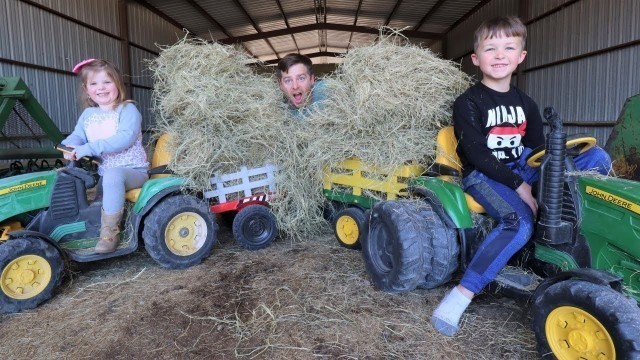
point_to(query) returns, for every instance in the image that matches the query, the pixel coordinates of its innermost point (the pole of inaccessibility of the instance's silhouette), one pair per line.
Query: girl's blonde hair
(111, 70)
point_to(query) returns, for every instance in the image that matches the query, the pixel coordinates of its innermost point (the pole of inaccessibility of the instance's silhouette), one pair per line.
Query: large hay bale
(385, 106)
(215, 107)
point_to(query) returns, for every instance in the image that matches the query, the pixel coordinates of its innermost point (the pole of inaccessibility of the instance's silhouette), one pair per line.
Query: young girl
(109, 127)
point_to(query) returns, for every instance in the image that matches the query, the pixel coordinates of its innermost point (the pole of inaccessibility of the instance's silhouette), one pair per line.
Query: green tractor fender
(447, 199)
(152, 192)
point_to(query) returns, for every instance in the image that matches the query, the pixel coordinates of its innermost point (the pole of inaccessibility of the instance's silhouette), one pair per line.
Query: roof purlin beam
(393, 12)
(255, 26)
(326, 26)
(310, 55)
(286, 22)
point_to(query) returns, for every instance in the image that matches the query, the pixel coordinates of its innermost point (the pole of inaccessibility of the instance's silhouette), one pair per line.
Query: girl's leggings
(514, 218)
(115, 182)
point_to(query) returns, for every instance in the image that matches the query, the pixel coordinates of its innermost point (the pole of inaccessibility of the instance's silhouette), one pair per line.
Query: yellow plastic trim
(161, 154)
(185, 234)
(446, 154)
(350, 173)
(25, 277)
(536, 159)
(573, 333)
(446, 144)
(8, 227)
(347, 230)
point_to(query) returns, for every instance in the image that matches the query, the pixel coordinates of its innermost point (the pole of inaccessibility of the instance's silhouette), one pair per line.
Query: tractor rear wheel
(179, 232)
(348, 227)
(30, 269)
(576, 319)
(392, 247)
(255, 227)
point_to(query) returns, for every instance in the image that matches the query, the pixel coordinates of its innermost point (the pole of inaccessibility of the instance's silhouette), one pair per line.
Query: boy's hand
(524, 191)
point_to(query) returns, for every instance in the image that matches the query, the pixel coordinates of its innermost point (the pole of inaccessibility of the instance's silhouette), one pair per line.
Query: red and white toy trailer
(244, 197)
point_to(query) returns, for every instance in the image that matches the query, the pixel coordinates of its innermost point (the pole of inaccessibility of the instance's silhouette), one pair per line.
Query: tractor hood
(22, 193)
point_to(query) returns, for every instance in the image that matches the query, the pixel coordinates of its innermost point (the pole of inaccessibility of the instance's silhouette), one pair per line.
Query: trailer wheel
(576, 319)
(30, 269)
(348, 227)
(179, 232)
(255, 227)
(392, 248)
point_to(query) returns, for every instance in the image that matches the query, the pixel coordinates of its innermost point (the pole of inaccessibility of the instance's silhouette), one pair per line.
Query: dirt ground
(305, 300)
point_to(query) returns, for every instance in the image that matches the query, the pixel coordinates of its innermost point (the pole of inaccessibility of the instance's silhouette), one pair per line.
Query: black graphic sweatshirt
(493, 128)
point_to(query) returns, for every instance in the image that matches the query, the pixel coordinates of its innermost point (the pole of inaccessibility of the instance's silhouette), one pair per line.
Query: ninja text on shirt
(507, 126)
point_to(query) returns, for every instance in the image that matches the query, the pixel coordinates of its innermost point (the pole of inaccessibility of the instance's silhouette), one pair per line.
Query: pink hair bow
(78, 67)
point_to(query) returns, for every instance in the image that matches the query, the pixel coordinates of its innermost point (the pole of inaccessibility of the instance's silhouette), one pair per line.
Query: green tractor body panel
(451, 196)
(611, 225)
(348, 198)
(23, 193)
(154, 186)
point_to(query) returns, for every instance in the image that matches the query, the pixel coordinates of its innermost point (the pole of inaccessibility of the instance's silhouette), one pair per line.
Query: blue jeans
(515, 221)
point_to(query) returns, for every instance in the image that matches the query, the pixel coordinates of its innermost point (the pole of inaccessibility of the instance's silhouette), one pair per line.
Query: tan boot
(109, 232)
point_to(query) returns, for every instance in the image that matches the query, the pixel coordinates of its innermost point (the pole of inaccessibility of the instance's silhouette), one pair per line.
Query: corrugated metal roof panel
(265, 13)
(373, 12)
(410, 12)
(229, 15)
(148, 29)
(102, 14)
(298, 12)
(189, 17)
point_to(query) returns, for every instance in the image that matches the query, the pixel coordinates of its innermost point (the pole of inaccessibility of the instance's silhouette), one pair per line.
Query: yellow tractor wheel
(348, 227)
(30, 269)
(576, 319)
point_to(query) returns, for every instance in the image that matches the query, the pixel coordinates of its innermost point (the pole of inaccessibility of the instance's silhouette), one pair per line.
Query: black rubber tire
(255, 227)
(392, 246)
(357, 216)
(618, 314)
(441, 250)
(163, 213)
(13, 249)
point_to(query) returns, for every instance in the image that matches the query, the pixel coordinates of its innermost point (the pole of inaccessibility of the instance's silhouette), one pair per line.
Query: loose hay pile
(215, 106)
(385, 104)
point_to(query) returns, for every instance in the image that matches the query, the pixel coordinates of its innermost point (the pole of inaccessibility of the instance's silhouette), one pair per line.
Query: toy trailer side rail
(350, 180)
(243, 183)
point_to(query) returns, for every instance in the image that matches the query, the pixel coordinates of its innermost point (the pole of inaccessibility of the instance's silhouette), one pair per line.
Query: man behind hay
(497, 125)
(298, 84)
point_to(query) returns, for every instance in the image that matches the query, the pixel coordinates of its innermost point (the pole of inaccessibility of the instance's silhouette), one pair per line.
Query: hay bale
(215, 106)
(385, 106)
(386, 103)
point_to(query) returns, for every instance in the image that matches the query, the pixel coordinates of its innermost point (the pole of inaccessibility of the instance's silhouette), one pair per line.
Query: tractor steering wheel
(576, 145)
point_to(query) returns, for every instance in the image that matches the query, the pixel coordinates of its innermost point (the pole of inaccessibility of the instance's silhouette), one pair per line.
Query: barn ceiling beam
(286, 23)
(255, 26)
(311, 55)
(429, 14)
(325, 26)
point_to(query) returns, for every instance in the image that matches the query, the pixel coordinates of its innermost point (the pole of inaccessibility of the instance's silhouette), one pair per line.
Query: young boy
(298, 84)
(497, 125)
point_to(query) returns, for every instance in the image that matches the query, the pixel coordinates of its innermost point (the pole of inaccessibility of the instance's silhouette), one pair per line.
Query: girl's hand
(71, 155)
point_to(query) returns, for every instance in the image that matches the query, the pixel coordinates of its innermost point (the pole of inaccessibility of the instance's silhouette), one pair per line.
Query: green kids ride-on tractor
(581, 269)
(46, 218)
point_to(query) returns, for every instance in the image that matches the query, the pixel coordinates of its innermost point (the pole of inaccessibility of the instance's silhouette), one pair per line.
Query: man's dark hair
(293, 59)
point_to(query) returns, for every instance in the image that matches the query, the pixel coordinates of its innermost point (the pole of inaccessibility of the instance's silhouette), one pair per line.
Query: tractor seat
(159, 163)
(447, 165)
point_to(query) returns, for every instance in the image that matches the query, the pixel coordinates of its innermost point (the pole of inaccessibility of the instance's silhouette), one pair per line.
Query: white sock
(448, 313)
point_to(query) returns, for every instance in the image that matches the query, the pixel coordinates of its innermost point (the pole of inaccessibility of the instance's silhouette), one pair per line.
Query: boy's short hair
(293, 59)
(510, 26)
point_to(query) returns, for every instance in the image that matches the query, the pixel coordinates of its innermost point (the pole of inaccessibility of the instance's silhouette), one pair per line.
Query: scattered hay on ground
(290, 301)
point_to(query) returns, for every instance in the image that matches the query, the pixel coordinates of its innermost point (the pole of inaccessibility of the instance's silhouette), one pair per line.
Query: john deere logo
(615, 200)
(21, 187)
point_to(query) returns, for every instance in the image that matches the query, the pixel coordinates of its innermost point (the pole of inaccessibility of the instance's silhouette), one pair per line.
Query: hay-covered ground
(305, 300)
